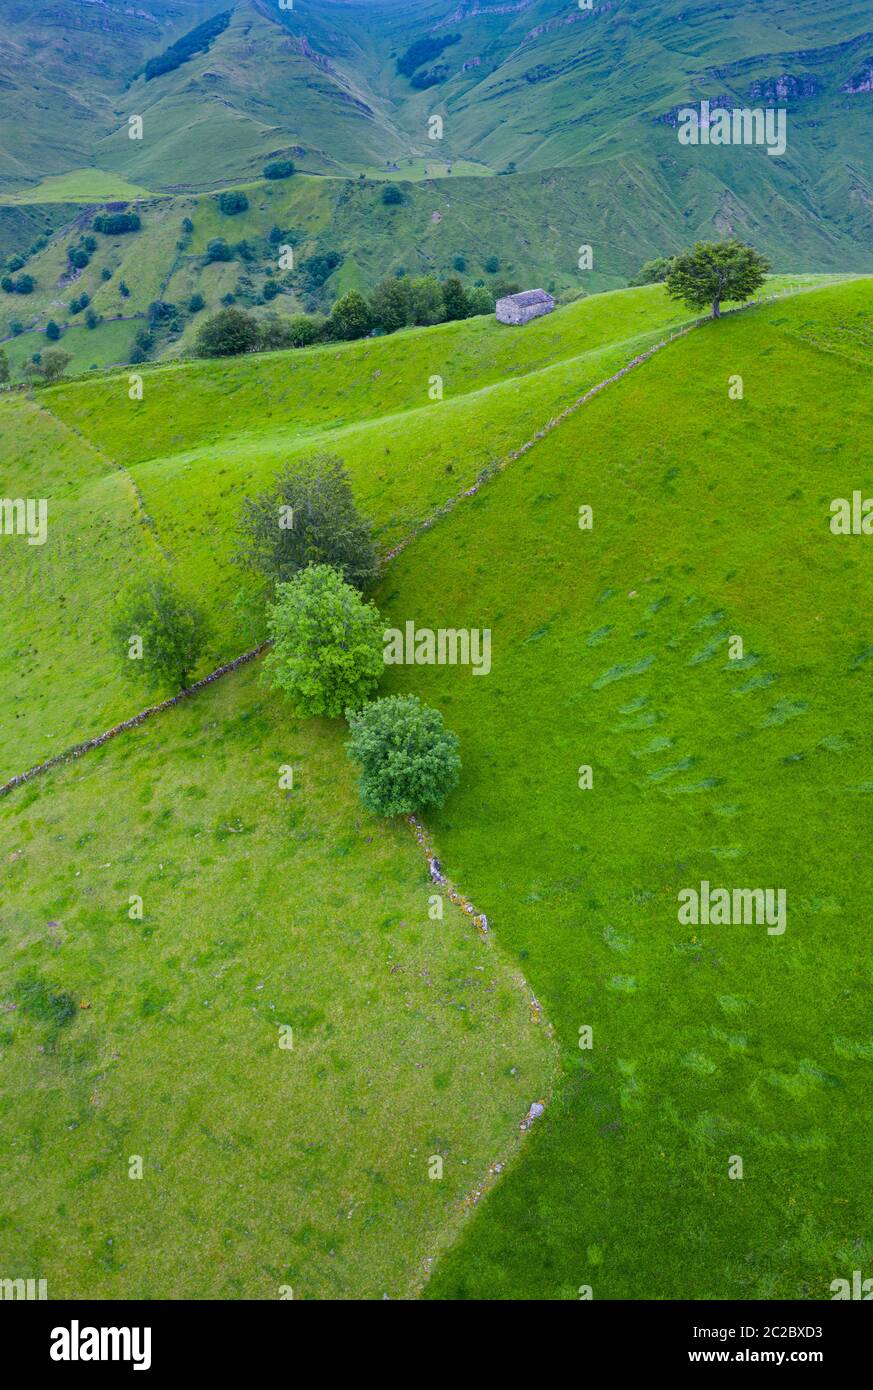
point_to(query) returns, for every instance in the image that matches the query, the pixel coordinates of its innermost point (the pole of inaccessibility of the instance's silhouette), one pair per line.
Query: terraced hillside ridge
(711, 519)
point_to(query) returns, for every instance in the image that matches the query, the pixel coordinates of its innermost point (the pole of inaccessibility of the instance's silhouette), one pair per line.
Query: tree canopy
(714, 271)
(227, 333)
(308, 517)
(327, 653)
(159, 633)
(408, 758)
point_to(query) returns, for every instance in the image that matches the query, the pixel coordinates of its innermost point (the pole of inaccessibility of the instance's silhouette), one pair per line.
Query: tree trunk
(716, 308)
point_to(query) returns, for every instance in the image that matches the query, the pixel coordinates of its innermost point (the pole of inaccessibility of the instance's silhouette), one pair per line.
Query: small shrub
(279, 169)
(218, 250)
(232, 202)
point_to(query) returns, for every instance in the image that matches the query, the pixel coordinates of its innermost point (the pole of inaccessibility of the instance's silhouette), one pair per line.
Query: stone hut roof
(528, 297)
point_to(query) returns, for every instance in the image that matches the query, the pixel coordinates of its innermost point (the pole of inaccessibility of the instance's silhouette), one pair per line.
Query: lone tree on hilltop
(159, 633)
(407, 756)
(309, 517)
(328, 643)
(713, 271)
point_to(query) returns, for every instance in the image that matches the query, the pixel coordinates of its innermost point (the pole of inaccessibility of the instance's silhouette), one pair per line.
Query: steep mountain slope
(576, 108)
(64, 65)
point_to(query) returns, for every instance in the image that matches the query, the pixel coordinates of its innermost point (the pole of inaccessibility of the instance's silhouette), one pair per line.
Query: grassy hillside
(206, 434)
(610, 648)
(158, 1037)
(55, 676)
(534, 225)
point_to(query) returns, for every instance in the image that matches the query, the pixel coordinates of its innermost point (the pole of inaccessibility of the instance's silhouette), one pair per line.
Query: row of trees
(308, 555)
(402, 301)
(395, 303)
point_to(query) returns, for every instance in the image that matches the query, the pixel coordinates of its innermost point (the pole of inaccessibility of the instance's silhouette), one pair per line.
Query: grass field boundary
(146, 519)
(79, 749)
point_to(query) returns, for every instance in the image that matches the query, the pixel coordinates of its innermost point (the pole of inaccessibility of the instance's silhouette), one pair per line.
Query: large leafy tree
(227, 333)
(328, 643)
(426, 303)
(158, 633)
(4, 367)
(308, 517)
(350, 317)
(389, 305)
(715, 271)
(408, 758)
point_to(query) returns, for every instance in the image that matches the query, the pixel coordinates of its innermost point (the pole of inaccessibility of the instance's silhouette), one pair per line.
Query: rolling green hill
(127, 479)
(610, 649)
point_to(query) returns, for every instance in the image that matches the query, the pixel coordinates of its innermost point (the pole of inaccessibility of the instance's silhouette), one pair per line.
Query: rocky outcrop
(671, 117)
(784, 88)
(469, 9)
(862, 80)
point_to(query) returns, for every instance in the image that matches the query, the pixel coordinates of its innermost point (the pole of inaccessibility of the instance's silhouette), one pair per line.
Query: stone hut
(521, 308)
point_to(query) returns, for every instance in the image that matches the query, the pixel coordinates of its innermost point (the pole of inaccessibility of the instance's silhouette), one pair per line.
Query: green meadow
(157, 1036)
(77, 186)
(163, 1036)
(610, 650)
